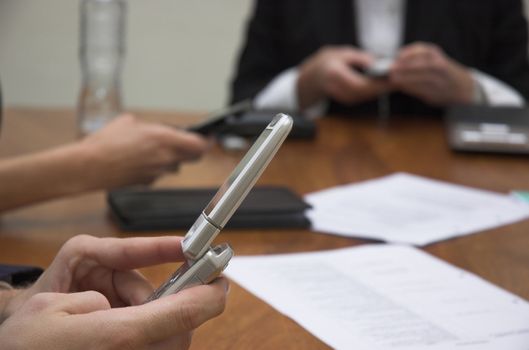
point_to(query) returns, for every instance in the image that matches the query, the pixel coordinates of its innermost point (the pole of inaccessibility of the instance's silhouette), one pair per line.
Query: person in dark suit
(309, 55)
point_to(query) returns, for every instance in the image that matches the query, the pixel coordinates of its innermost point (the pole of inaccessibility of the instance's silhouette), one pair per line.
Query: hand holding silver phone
(380, 68)
(202, 271)
(203, 264)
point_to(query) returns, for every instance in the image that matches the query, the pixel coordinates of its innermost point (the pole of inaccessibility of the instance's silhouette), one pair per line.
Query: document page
(404, 208)
(379, 297)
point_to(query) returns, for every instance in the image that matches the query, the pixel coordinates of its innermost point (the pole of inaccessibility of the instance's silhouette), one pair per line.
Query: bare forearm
(37, 177)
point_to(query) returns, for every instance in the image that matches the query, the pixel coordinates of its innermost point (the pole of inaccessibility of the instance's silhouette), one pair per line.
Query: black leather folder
(166, 209)
(252, 123)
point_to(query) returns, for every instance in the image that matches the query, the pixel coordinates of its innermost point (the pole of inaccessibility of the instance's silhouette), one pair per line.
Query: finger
(73, 303)
(416, 63)
(412, 84)
(357, 58)
(417, 49)
(412, 64)
(185, 145)
(410, 77)
(352, 80)
(162, 319)
(354, 87)
(85, 302)
(131, 287)
(124, 253)
(344, 84)
(348, 78)
(422, 83)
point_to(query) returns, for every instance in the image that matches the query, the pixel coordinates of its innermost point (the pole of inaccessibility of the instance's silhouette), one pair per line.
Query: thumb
(358, 58)
(74, 303)
(174, 314)
(81, 303)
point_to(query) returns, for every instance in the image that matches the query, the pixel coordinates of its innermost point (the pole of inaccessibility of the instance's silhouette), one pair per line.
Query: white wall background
(180, 52)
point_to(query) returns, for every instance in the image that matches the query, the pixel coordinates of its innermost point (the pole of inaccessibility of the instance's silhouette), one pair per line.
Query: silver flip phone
(203, 263)
(380, 68)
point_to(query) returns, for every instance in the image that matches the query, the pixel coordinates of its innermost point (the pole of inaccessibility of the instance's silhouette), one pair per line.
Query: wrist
(96, 165)
(84, 167)
(76, 162)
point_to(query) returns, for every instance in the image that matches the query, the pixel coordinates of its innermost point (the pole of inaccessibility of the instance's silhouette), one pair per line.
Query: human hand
(105, 308)
(85, 320)
(330, 73)
(128, 151)
(424, 71)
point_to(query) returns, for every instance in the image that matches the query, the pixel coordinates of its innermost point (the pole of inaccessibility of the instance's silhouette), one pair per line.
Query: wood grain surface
(345, 150)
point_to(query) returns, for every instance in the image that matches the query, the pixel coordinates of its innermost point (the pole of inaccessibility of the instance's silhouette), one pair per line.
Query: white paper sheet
(404, 208)
(380, 297)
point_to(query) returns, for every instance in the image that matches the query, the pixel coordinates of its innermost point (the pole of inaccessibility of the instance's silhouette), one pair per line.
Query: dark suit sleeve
(260, 59)
(509, 53)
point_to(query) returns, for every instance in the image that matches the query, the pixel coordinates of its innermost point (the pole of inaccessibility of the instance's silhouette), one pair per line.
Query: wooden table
(344, 151)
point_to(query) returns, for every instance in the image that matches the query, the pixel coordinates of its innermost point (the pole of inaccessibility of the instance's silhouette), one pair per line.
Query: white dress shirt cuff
(281, 94)
(495, 92)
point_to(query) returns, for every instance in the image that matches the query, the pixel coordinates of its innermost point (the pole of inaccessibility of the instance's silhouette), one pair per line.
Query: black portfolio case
(252, 123)
(165, 209)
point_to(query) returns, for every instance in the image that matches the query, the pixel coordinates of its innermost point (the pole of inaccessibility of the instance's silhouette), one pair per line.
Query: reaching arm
(125, 152)
(45, 175)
